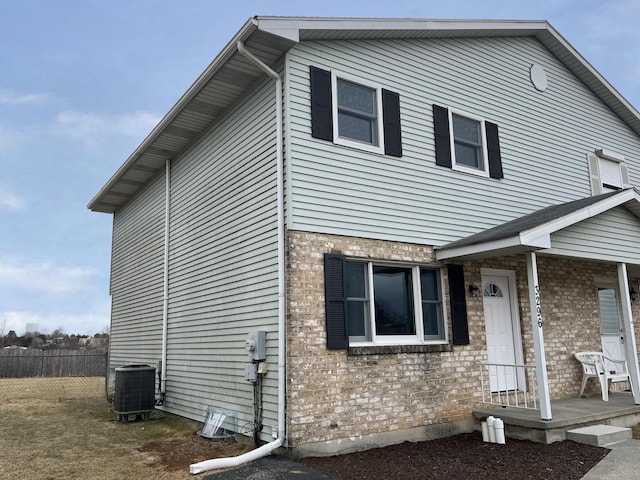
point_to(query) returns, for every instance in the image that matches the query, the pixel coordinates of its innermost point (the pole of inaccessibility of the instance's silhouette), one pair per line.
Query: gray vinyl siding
(137, 265)
(223, 264)
(611, 236)
(544, 138)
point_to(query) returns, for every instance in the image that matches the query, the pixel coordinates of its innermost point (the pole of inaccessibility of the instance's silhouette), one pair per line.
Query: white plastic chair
(593, 366)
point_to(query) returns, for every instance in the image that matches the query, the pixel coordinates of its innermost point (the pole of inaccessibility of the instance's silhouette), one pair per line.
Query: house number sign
(538, 308)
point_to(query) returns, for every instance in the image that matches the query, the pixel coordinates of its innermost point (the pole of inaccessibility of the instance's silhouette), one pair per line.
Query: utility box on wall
(256, 345)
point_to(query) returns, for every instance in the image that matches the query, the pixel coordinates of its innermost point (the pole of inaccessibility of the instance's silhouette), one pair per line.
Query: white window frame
(348, 142)
(419, 337)
(612, 158)
(484, 172)
(609, 284)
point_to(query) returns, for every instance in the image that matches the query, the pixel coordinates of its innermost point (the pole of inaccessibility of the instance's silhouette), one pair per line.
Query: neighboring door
(501, 340)
(610, 326)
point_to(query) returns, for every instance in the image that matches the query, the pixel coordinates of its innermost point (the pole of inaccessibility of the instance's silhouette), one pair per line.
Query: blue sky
(83, 81)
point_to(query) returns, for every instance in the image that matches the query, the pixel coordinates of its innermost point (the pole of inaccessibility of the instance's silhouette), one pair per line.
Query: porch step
(599, 435)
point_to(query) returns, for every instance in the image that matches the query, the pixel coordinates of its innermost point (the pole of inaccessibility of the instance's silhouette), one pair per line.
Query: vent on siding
(135, 391)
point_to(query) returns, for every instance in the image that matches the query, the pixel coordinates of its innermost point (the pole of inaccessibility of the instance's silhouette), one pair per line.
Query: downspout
(165, 304)
(268, 448)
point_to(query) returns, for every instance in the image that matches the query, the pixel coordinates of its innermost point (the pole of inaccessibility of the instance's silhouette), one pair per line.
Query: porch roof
(533, 231)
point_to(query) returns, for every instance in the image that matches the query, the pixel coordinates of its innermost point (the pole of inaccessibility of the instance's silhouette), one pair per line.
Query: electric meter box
(256, 345)
(250, 372)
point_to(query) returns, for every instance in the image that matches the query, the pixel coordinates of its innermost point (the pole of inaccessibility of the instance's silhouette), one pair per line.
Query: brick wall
(334, 396)
(569, 313)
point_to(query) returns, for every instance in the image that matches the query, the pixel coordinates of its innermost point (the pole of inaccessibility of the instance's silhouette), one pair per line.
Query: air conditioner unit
(134, 392)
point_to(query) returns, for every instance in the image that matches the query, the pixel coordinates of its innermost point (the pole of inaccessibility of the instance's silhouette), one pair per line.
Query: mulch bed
(465, 456)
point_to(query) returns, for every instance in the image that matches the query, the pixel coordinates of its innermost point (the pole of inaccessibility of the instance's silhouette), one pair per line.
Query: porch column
(538, 338)
(629, 332)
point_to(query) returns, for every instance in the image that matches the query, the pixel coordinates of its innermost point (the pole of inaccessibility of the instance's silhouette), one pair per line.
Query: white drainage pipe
(493, 430)
(231, 462)
(485, 431)
(267, 449)
(491, 421)
(498, 426)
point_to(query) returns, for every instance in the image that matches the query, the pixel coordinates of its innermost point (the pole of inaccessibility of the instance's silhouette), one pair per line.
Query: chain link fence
(52, 374)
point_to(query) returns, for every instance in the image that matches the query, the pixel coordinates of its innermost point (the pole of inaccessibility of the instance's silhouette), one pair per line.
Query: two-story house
(399, 205)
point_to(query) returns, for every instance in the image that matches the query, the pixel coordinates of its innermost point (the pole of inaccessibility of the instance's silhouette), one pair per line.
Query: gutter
(268, 448)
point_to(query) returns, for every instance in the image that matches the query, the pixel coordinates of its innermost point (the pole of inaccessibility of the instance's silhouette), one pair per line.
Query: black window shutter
(458, 305)
(493, 150)
(442, 139)
(321, 119)
(391, 123)
(335, 301)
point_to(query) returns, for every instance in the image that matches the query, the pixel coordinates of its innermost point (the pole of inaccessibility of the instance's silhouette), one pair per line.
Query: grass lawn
(53, 434)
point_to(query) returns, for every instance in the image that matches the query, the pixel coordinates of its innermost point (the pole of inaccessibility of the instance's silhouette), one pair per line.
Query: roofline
(579, 215)
(245, 32)
(292, 26)
(539, 237)
(303, 28)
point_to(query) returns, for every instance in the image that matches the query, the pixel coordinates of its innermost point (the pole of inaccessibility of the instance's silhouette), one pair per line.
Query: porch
(568, 413)
(587, 230)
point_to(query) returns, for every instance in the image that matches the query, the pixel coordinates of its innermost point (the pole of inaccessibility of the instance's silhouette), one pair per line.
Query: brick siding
(334, 395)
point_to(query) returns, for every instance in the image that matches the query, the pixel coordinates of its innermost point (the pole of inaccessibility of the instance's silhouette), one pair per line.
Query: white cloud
(44, 277)
(88, 125)
(90, 323)
(9, 137)
(11, 97)
(9, 201)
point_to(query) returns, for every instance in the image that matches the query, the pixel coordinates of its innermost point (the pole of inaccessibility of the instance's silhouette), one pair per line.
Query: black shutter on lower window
(335, 302)
(458, 305)
(321, 112)
(493, 150)
(442, 139)
(391, 123)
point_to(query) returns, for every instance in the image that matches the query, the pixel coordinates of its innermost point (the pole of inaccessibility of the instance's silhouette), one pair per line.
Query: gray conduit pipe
(268, 448)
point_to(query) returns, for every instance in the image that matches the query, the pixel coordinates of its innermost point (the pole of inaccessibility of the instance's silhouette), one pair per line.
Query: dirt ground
(57, 437)
(462, 456)
(467, 457)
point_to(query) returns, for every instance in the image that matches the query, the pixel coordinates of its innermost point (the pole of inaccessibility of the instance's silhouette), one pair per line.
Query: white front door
(610, 328)
(499, 320)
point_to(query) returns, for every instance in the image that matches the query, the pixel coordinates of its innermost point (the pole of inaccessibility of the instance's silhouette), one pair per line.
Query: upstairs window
(355, 113)
(466, 143)
(608, 172)
(357, 109)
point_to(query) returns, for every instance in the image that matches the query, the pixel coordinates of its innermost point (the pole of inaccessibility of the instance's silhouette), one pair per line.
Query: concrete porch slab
(568, 414)
(599, 435)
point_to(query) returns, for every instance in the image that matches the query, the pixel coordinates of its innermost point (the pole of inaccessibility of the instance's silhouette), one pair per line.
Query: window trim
(594, 163)
(483, 138)
(419, 337)
(347, 142)
(605, 283)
